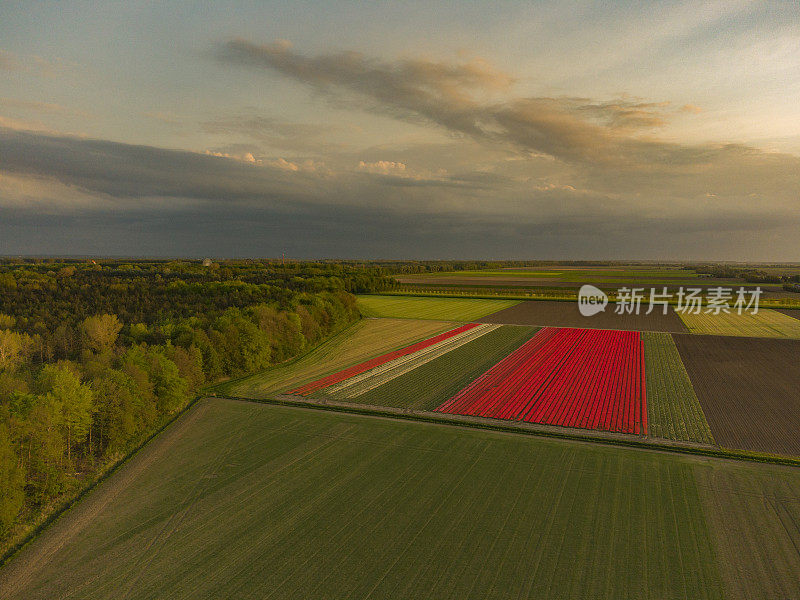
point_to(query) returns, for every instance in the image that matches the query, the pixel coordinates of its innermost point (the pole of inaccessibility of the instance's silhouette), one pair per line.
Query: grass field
(766, 323)
(673, 409)
(246, 500)
(577, 275)
(754, 517)
(427, 386)
(444, 309)
(359, 342)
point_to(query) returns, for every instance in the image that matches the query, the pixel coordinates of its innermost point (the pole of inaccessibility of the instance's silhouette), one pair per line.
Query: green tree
(41, 445)
(100, 332)
(12, 481)
(74, 399)
(122, 410)
(11, 346)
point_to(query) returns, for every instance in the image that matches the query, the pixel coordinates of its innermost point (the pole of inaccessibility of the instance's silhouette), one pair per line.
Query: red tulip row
(571, 377)
(308, 388)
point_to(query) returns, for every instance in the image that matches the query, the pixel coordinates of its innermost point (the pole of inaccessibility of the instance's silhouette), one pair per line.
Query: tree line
(94, 357)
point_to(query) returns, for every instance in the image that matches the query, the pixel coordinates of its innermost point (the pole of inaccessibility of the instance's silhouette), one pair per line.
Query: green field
(363, 340)
(579, 275)
(673, 410)
(766, 323)
(427, 386)
(248, 500)
(754, 517)
(443, 309)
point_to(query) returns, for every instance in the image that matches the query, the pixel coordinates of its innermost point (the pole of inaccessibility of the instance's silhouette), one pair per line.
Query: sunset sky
(584, 130)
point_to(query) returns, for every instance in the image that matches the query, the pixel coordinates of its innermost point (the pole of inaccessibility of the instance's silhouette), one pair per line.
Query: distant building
(207, 262)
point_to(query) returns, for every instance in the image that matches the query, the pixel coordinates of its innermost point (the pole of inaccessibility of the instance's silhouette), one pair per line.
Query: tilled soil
(749, 389)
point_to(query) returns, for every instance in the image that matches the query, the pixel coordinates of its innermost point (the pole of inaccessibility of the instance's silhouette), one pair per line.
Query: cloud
(461, 98)
(163, 117)
(24, 125)
(518, 177)
(302, 137)
(44, 107)
(437, 91)
(129, 177)
(127, 172)
(385, 167)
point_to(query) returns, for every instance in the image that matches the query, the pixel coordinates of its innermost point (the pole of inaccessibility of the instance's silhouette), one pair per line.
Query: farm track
(749, 390)
(673, 409)
(565, 314)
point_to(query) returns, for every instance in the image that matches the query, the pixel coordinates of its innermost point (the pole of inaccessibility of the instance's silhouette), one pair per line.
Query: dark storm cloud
(212, 229)
(125, 171)
(105, 197)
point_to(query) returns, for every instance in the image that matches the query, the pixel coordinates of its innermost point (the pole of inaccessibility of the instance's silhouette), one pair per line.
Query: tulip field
(584, 378)
(379, 361)
(654, 384)
(571, 377)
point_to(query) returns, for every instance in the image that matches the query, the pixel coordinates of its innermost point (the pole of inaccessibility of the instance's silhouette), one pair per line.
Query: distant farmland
(566, 314)
(765, 323)
(243, 500)
(443, 309)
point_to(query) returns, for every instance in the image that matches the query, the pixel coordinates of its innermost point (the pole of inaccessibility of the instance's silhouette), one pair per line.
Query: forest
(97, 355)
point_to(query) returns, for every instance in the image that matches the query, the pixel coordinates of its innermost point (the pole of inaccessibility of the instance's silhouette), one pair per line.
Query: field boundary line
(522, 428)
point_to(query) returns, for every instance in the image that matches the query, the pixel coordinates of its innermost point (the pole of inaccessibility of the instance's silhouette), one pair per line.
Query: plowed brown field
(749, 389)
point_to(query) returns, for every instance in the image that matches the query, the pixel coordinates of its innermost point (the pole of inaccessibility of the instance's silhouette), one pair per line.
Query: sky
(413, 130)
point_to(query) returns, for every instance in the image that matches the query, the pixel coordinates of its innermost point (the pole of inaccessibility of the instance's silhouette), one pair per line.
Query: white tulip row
(361, 384)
